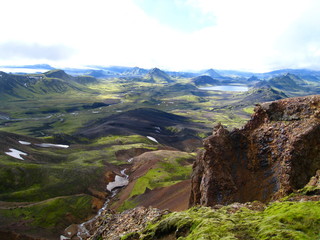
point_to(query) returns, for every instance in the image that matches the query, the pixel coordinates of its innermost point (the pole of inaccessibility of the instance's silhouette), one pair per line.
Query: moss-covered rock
(280, 220)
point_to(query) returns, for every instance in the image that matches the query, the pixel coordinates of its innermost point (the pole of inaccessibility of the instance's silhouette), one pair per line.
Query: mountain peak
(58, 73)
(212, 73)
(136, 71)
(156, 71)
(158, 76)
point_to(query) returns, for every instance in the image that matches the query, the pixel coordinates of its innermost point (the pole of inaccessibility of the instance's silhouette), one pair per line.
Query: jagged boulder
(275, 153)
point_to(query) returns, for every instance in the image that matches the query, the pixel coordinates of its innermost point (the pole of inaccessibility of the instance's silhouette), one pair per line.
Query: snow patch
(16, 153)
(46, 145)
(118, 182)
(63, 237)
(152, 139)
(24, 143)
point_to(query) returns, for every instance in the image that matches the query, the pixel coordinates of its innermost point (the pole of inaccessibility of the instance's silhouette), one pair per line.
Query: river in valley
(113, 187)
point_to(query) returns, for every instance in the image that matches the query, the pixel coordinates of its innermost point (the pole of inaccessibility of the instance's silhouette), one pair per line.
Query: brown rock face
(276, 152)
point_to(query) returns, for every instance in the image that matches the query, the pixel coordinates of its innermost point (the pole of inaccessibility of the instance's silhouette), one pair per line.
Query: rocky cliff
(275, 153)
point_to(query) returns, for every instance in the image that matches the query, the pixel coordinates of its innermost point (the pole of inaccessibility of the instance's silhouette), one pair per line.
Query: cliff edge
(275, 153)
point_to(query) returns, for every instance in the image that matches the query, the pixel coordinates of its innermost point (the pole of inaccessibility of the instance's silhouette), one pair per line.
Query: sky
(248, 35)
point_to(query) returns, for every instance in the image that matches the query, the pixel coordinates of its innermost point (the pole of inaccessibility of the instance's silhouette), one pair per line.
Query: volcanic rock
(112, 226)
(275, 153)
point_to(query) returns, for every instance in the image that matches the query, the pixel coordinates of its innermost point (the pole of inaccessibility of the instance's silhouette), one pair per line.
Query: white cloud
(16, 50)
(247, 34)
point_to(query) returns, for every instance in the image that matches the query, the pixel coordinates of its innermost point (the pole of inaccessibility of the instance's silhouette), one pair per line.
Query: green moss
(281, 220)
(248, 110)
(128, 204)
(166, 175)
(291, 220)
(203, 135)
(115, 140)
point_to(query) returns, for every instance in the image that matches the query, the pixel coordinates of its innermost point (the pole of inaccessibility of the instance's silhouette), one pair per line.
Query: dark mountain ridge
(205, 80)
(146, 122)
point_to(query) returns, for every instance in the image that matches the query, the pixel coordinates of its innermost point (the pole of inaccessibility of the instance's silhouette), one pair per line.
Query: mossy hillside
(57, 172)
(98, 152)
(105, 155)
(58, 121)
(56, 112)
(53, 214)
(189, 98)
(104, 149)
(117, 140)
(280, 220)
(32, 182)
(170, 170)
(48, 173)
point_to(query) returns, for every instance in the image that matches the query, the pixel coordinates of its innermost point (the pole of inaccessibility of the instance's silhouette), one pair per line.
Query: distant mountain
(204, 80)
(293, 71)
(30, 85)
(305, 74)
(234, 73)
(253, 78)
(60, 74)
(287, 82)
(212, 73)
(182, 74)
(136, 71)
(98, 73)
(114, 69)
(157, 76)
(35, 66)
(57, 73)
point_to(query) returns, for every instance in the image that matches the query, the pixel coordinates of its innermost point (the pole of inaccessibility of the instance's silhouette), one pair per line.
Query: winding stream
(114, 188)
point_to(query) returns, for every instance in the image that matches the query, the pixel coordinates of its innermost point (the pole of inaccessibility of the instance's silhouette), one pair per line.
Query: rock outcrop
(275, 153)
(112, 225)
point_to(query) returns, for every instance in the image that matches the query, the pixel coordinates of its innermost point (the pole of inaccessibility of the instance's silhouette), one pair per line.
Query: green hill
(33, 85)
(205, 80)
(262, 95)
